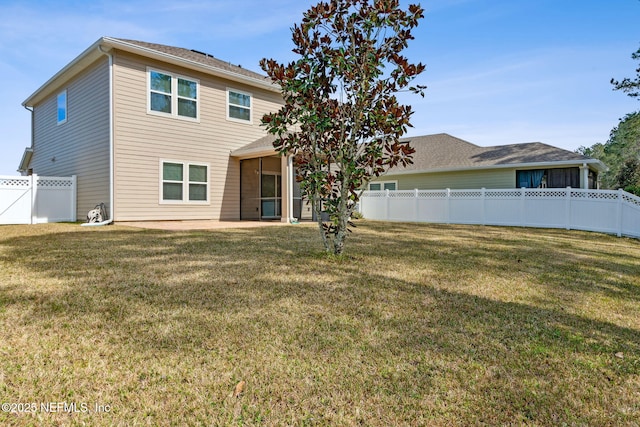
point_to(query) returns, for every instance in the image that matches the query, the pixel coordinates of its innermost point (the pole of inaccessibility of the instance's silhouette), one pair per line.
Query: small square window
(238, 106)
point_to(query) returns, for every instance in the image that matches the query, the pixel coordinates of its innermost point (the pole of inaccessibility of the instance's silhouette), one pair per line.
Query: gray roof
(259, 147)
(443, 152)
(196, 56)
(179, 56)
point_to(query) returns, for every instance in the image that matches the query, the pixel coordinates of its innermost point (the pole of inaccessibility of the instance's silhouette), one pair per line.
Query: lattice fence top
(16, 182)
(42, 182)
(527, 193)
(402, 194)
(545, 194)
(600, 195)
(631, 199)
(496, 194)
(465, 193)
(54, 182)
(432, 194)
(374, 194)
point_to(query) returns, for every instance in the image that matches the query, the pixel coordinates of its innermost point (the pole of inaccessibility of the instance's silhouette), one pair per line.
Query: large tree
(621, 153)
(341, 118)
(630, 86)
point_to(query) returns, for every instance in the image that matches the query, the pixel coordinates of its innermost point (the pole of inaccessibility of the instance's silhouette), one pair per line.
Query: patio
(197, 224)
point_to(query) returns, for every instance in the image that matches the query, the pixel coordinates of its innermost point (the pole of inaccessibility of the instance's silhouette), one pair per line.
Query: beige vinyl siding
(488, 178)
(81, 145)
(142, 140)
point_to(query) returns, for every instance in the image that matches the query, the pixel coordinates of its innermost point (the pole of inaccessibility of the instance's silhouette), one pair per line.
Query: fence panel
(37, 199)
(55, 199)
(504, 208)
(15, 199)
(615, 212)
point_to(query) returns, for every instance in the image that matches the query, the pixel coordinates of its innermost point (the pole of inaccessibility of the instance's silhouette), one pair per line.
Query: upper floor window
(62, 107)
(173, 95)
(238, 106)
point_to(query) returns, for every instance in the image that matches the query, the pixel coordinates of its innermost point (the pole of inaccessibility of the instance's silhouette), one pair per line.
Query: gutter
(24, 168)
(26, 107)
(111, 162)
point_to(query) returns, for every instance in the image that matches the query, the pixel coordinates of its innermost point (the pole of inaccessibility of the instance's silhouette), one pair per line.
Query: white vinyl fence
(606, 211)
(37, 199)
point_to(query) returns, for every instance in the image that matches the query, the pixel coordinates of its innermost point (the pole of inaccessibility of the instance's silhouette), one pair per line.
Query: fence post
(416, 205)
(448, 206)
(567, 208)
(33, 184)
(388, 202)
(484, 206)
(619, 213)
(522, 209)
(74, 195)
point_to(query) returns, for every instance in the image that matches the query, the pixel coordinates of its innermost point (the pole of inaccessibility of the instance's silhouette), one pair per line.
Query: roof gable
(195, 56)
(187, 58)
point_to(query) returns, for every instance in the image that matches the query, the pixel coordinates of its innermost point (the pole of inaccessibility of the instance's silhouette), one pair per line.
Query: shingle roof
(442, 152)
(196, 56)
(174, 55)
(259, 146)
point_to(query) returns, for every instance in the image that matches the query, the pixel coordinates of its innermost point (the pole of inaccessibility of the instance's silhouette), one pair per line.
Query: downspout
(111, 175)
(33, 127)
(290, 190)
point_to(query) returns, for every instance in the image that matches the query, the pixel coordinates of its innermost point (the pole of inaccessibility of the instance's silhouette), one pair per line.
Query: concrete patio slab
(197, 224)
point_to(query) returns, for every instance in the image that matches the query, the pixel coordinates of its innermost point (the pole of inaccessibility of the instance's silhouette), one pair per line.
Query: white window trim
(174, 95)
(382, 183)
(66, 107)
(185, 183)
(228, 104)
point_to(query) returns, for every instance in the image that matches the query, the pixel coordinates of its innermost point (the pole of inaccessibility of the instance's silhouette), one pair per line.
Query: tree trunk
(341, 233)
(317, 209)
(343, 217)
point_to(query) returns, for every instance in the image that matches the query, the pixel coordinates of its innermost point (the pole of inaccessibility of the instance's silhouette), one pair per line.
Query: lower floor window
(184, 182)
(382, 185)
(551, 178)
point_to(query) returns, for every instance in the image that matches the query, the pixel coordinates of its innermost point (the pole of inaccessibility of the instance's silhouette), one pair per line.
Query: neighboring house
(443, 161)
(150, 129)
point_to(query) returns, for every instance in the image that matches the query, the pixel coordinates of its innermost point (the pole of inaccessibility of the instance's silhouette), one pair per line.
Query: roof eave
(70, 70)
(26, 160)
(94, 52)
(251, 154)
(596, 164)
(175, 60)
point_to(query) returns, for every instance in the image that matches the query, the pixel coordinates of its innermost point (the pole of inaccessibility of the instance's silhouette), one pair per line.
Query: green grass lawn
(415, 325)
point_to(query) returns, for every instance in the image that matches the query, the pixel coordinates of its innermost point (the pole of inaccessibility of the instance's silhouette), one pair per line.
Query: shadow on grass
(396, 325)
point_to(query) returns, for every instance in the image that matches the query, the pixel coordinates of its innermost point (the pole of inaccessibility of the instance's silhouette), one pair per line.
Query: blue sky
(498, 71)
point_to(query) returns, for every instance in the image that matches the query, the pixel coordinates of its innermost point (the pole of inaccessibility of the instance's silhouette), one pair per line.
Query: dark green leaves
(341, 119)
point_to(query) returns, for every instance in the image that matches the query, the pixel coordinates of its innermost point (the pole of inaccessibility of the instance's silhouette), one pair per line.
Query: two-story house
(165, 133)
(152, 131)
